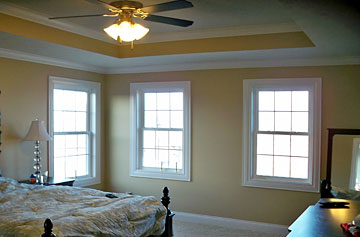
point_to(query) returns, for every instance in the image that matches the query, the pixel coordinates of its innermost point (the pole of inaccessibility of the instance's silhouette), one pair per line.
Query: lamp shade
(37, 132)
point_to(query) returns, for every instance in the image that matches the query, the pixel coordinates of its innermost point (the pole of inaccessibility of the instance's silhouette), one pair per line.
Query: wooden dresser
(318, 221)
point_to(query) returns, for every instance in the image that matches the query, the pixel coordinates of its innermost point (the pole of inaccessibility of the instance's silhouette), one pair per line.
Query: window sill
(156, 175)
(285, 185)
(83, 182)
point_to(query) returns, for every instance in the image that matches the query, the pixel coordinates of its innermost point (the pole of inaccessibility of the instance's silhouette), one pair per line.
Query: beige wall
(24, 88)
(216, 96)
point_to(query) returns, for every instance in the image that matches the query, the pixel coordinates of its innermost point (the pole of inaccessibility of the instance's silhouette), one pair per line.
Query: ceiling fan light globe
(112, 31)
(139, 31)
(126, 32)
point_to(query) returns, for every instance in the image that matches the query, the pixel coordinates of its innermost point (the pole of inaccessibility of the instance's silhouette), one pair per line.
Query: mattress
(76, 211)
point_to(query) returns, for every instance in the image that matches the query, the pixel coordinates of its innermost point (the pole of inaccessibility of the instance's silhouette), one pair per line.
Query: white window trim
(354, 163)
(249, 177)
(95, 156)
(135, 90)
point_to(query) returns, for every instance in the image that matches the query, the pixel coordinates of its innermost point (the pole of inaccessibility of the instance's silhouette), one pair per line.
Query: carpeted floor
(187, 229)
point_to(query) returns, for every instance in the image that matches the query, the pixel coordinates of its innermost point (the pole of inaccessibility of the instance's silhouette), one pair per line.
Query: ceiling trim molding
(204, 65)
(13, 54)
(282, 27)
(237, 64)
(12, 10)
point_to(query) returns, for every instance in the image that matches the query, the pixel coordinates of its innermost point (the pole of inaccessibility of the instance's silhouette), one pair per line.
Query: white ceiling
(332, 25)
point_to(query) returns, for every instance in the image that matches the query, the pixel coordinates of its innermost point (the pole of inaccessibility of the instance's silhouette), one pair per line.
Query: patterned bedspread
(76, 211)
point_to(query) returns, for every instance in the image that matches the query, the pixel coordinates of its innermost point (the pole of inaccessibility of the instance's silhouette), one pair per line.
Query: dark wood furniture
(319, 221)
(54, 181)
(165, 200)
(325, 187)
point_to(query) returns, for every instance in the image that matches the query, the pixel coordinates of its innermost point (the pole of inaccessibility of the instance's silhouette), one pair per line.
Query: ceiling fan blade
(167, 6)
(64, 17)
(169, 20)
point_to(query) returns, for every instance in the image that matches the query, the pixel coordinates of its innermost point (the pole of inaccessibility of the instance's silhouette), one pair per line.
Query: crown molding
(13, 54)
(203, 65)
(333, 61)
(25, 14)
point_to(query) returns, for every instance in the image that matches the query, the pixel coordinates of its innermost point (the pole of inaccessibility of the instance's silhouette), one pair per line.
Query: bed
(79, 212)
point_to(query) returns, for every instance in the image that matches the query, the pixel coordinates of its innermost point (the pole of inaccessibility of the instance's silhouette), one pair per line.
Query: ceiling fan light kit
(128, 31)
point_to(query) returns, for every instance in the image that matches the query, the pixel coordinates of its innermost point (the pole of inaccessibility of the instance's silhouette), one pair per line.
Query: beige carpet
(187, 229)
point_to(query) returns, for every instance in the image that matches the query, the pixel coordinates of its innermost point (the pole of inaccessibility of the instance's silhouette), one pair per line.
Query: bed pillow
(345, 193)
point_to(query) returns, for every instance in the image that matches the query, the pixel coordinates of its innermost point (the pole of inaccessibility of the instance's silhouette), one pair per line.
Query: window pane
(300, 146)
(149, 139)
(164, 158)
(282, 145)
(300, 121)
(149, 158)
(150, 101)
(58, 121)
(299, 168)
(81, 121)
(59, 167)
(175, 139)
(266, 101)
(68, 100)
(176, 119)
(176, 99)
(300, 100)
(266, 121)
(282, 100)
(69, 121)
(81, 169)
(283, 121)
(265, 144)
(150, 119)
(162, 139)
(58, 102)
(81, 101)
(70, 166)
(281, 166)
(163, 119)
(175, 159)
(163, 101)
(264, 165)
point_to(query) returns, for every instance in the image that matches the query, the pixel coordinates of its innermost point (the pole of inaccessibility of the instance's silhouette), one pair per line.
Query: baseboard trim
(231, 223)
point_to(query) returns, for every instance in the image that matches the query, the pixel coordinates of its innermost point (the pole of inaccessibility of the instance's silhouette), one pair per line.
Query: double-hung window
(74, 111)
(160, 130)
(281, 133)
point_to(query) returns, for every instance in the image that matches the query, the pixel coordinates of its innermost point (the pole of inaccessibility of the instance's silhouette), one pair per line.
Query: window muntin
(282, 134)
(161, 135)
(281, 141)
(74, 111)
(71, 133)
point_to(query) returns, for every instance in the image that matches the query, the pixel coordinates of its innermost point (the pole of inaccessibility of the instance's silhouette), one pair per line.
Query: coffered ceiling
(225, 34)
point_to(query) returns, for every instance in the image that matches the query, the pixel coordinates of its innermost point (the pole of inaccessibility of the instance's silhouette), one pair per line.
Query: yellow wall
(24, 97)
(216, 97)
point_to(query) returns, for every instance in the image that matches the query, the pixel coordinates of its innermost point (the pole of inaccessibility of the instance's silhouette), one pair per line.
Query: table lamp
(37, 133)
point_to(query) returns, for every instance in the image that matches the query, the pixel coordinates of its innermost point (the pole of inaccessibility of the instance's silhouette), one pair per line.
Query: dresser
(317, 221)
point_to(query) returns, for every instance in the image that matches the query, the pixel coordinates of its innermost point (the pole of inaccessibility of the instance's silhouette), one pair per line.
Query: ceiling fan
(125, 29)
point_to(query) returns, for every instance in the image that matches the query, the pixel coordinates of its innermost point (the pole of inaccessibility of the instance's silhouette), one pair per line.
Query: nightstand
(54, 181)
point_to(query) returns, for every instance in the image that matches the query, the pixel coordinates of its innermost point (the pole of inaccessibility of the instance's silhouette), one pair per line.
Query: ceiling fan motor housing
(125, 5)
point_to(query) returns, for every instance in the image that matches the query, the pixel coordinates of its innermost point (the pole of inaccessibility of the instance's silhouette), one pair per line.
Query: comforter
(76, 211)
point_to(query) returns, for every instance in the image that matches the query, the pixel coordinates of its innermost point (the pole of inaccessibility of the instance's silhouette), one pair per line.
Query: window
(74, 107)
(281, 133)
(160, 130)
